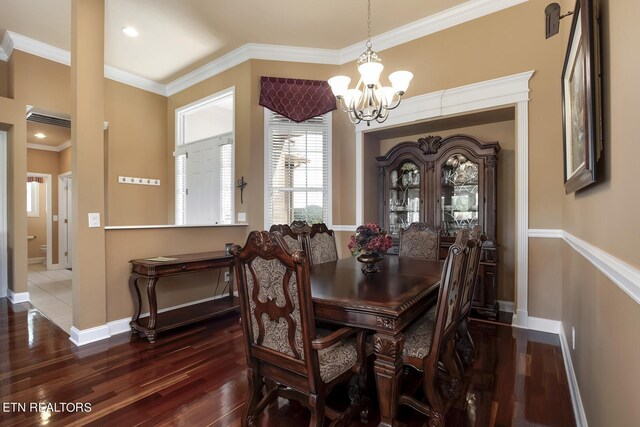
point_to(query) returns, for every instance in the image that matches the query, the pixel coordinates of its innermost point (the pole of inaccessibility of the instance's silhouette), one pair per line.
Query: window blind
(297, 169)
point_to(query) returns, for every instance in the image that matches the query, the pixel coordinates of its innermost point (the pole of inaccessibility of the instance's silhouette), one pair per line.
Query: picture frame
(581, 99)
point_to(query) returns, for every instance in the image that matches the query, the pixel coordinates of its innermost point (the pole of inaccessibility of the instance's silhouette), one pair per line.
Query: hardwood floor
(196, 376)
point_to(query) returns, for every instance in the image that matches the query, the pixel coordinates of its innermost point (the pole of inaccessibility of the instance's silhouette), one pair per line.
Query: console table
(151, 271)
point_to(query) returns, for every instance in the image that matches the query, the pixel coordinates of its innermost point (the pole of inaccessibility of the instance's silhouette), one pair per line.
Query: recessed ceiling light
(40, 135)
(130, 31)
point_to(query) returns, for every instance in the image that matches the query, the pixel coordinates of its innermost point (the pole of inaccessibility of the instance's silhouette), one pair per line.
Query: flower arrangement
(369, 238)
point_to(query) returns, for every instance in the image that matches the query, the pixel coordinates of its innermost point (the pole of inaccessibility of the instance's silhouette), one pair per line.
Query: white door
(64, 220)
(202, 177)
(3, 215)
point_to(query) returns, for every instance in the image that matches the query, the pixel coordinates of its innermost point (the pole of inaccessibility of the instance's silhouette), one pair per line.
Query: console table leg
(135, 296)
(153, 307)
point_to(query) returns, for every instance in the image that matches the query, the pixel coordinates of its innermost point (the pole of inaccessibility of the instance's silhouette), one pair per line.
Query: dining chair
(300, 227)
(465, 346)
(285, 354)
(293, 241)
(419, 241)
(429, 343)
(322, 244)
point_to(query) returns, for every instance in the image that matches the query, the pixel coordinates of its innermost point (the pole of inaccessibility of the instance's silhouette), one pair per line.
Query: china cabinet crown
(449, 183)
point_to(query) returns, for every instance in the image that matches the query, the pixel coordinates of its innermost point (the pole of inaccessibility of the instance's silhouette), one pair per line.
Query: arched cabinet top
(431, 148)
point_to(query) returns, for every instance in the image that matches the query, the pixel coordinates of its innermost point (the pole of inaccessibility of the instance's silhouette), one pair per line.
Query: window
(204, 160)
(32, 199)
(297, 169)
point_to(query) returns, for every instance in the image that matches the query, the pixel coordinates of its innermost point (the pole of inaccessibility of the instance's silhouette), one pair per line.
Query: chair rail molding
(623, 274)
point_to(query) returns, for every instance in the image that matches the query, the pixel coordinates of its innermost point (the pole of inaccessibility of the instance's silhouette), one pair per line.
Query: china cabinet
(449, 183)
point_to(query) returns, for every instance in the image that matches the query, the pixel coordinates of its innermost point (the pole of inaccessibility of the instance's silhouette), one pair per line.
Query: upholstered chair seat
(418, 337)
(337, 359)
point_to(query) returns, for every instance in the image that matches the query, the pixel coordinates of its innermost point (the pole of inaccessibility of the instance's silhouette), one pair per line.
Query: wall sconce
(241, 184)
(553, 17)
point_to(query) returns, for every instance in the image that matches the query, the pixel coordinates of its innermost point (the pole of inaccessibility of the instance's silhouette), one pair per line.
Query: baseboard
(576, 400)
(544, 325)
(40, 260)
(507, 306)
(87, 336)
(17, 297)
(121, 326)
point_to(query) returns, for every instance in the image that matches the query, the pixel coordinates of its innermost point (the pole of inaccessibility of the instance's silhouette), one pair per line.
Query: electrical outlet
(226, 276)
(573, 338)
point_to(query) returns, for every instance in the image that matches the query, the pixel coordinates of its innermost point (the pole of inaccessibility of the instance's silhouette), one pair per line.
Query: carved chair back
(471, 269)
(322, 244)
(276, 310)
(293, 240)
(300, 227)
(419, 241)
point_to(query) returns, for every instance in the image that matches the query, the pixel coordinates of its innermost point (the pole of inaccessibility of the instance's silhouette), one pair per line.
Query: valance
(39, 179)
(296, 99)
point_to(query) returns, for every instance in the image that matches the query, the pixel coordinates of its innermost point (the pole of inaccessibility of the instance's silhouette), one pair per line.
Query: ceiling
(178, 36)
(55, 135)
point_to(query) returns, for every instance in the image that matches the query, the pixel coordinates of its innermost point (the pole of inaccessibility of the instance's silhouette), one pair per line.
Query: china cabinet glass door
(459, 194)
(405, 196)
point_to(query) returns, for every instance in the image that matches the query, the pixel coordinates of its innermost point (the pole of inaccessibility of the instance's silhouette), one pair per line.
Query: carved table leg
(153, 309)
(135, 296)
(388, 369)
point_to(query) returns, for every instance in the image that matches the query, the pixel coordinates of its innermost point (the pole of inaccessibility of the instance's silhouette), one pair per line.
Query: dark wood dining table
(385, 302)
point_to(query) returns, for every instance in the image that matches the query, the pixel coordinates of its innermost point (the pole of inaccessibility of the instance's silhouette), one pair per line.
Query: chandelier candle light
(370, 100)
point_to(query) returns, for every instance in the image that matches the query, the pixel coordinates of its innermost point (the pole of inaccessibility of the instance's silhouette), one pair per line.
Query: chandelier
(369, 100)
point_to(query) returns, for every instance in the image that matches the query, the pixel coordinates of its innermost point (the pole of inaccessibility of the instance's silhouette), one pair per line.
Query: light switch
(242, 216)
(94, 219)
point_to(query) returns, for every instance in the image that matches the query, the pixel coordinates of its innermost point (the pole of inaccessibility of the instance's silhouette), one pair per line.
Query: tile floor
(50, 292)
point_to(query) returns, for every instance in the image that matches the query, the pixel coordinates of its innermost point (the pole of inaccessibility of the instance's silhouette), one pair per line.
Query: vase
(369, 260)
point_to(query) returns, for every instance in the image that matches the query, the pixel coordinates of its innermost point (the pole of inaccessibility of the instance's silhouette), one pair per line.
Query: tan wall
(136, 147)
(65, 160)
(4, 79)
(125, 245)
(607, 355)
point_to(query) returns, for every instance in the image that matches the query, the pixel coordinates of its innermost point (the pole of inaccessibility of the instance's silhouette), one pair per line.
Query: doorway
(50, 288)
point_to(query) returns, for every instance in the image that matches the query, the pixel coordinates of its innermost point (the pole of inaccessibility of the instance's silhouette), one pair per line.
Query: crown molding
(43, 147)
(118, 75)
(38, 48)
(253, 51)
(443, 20)
(6, 47)
(448, 18)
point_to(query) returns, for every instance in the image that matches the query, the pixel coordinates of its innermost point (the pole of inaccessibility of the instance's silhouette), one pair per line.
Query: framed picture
(581, 99)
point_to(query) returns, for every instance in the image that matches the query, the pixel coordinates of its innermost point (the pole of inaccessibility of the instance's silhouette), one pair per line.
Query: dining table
(385, 302)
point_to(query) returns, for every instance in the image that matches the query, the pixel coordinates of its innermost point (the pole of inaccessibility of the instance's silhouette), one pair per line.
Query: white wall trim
(56, 148)
(6, 47)
(522, 214)
(546, 233)
(626, 276)
(506, 306)
(543, 325)
(448, 18)
(37, 260)
(574, 390)
(4, 230)
(87, 336)
(17, 297)
(41, 49)
(350, 228)
(623, 274)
